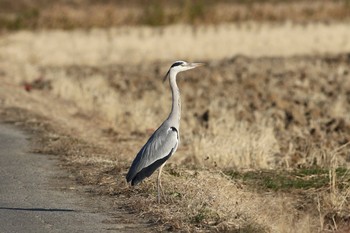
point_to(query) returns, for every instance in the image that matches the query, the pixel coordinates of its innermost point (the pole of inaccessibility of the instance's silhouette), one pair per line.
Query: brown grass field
(53, 14)
(265, 129)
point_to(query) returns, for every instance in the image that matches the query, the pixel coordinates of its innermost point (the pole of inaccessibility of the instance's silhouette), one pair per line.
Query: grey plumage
(161, 145)
(165, 140)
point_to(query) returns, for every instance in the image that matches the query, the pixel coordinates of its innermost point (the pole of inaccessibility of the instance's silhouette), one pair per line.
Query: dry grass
(212, 147)
(334, 215)
(23, 52)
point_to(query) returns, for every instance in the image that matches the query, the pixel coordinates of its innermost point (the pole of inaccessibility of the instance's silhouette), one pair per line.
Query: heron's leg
(159, 184)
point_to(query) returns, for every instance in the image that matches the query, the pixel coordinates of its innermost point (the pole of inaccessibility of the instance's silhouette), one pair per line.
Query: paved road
(30, 203)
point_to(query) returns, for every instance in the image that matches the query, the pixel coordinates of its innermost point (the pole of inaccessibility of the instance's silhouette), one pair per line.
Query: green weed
(25, 19)
(205, 215)
(300, 179)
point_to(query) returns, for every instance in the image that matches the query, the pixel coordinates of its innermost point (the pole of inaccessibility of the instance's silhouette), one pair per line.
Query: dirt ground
(244, 117)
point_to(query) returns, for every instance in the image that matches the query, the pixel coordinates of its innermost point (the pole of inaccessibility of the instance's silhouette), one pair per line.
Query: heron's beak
(194, 65)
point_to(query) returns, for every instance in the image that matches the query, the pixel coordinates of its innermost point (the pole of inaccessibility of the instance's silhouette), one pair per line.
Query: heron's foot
(158, 198)
(160, 193)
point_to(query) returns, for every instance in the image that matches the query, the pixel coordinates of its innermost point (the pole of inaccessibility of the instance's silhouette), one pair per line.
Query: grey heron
(165, 140)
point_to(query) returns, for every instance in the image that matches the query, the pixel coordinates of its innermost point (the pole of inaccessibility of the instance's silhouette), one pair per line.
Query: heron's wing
(161, 145)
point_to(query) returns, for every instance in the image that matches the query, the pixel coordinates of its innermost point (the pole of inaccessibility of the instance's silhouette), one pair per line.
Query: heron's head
(179, 66)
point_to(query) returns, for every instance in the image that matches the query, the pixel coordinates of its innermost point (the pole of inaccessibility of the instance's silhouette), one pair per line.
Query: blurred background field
(36, 14)
(265, 126)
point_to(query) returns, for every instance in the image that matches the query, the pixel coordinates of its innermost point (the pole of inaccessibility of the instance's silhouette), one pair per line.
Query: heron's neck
(175, 113)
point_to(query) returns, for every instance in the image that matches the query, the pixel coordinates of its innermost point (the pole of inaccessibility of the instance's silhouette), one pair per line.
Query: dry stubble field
(264, 134)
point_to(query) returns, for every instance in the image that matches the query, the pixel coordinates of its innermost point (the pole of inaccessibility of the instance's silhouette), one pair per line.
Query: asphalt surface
(29, 202)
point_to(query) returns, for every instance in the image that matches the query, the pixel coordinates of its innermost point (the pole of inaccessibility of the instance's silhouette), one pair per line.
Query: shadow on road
(38, 209)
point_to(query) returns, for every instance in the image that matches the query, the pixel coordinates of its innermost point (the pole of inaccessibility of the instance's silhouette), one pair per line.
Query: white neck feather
(175, 114)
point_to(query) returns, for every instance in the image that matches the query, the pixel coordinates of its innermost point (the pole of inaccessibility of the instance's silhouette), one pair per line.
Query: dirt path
(36, 196)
